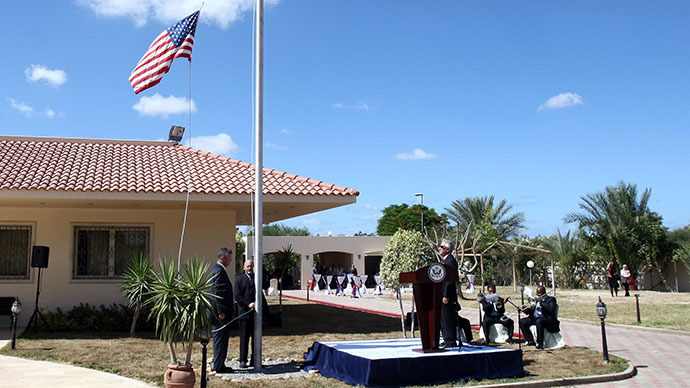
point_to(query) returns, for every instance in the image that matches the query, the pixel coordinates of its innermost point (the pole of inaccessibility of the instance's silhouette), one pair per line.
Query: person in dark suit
(465, 325)
(223, 304)
(245, 296)
(543, 315)
(494, 312)
(449, 306)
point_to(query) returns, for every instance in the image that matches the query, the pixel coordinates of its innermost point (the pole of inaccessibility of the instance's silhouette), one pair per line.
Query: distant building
(365, 252)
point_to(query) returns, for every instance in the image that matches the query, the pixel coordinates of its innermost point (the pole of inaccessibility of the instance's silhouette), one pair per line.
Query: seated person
(464, 324)
(494, 312)
(543, 315)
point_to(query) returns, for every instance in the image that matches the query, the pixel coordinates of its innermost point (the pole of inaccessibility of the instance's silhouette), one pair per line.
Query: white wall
(206, 232)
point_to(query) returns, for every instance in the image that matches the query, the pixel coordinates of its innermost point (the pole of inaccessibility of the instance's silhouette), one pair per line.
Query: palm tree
(480, 211)
(138, 280)
(568, 252)
(618, 225)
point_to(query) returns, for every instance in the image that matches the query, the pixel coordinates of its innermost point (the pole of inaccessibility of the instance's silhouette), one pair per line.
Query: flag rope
(189, 167)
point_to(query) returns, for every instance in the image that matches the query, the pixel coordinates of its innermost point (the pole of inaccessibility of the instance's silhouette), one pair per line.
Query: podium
(427, 284)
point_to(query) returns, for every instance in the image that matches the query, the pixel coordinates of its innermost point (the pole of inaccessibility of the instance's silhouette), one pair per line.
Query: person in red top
(612, 276)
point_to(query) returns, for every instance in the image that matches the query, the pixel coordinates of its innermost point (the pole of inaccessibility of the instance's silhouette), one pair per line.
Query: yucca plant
(179, 303)
(138, 279)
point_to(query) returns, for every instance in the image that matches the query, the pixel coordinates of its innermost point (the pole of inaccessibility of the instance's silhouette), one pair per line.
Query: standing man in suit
(245, 296)
(449, 308)
(223, 309)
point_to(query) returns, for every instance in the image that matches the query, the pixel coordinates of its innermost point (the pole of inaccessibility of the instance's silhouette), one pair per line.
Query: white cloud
(362, 207)
(26, 110)
(29, 111)
(49, 113)
(417, 154)
(285, 131)
(357, 106)
(158, 105)
(218, 12)
(220, 144)
(561, 101)
(53, 78)
(274, 146)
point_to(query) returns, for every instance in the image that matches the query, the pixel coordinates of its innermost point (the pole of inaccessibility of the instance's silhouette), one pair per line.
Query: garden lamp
(601, 309)
(601, 312)
(16, 310)
(204, 337)
(530, 265)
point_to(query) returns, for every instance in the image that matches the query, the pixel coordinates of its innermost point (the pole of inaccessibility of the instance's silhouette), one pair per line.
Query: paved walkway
(662, 357)
(20, 372)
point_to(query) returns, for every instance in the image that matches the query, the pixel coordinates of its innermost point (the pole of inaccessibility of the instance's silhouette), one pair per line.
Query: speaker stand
(33, 321)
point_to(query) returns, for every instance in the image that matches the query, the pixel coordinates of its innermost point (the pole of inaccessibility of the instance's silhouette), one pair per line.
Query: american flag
(174, 42)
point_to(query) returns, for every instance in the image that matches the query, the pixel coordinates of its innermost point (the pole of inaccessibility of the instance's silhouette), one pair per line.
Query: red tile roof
(89, 165)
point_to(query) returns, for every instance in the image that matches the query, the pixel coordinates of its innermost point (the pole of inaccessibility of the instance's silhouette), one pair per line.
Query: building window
(105, 251)
(15, 249)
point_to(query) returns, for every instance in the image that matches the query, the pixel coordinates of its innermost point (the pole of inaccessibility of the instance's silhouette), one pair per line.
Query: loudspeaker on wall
(39, 256)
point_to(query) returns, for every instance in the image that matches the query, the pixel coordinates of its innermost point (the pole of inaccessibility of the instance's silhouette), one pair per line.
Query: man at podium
(449, 308)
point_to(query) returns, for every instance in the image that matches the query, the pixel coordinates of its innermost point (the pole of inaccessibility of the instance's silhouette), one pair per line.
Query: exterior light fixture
(176, 133)
(601, 312)
(16, 310)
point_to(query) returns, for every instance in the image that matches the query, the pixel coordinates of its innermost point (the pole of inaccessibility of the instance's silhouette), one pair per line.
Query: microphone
(426, 259)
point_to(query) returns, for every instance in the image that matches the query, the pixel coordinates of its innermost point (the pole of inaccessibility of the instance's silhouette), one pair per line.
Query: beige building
(364, 252)
(95, 203)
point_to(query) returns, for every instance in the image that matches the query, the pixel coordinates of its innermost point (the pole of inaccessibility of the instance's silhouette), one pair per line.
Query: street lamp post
(601, 312)
(421, 209)
(16, 310)
(204, 339)
(530, 265)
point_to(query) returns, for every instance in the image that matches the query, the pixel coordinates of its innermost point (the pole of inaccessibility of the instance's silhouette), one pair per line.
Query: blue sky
(537, 103)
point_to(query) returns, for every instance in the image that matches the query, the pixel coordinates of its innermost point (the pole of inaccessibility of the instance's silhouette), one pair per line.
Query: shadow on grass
(30, 334)
(297, 319)
(301, 319)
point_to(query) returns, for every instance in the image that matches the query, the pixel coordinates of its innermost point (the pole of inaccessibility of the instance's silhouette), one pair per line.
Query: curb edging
(561, 381)
(632, 327)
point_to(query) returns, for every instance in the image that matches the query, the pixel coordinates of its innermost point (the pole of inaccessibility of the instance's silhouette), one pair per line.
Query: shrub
(87, 318)
(403, 253)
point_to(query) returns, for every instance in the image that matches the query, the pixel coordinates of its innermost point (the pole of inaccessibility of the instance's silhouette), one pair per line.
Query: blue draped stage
(392, 362)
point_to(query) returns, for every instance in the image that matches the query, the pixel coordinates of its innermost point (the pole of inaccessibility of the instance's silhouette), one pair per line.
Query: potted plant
(179, 303)
(137, 284)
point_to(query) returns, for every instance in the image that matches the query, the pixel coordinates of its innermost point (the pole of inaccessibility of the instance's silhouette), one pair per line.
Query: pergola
(507, 248)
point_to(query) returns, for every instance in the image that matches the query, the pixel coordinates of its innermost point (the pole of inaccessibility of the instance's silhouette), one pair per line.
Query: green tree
(407, 217)
(240, 247)
(569, 252)
(680, 241)
(403, 253)
(488, 222)
(282, 230)
(282, 261)
(487, 218)
(616, 224)
(137, 283)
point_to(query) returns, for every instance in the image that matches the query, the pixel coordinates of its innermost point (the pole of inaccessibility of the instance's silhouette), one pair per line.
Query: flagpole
(258, 178)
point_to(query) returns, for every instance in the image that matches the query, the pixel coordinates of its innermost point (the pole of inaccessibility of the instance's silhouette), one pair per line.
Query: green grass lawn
(145, 358)
(657, 309)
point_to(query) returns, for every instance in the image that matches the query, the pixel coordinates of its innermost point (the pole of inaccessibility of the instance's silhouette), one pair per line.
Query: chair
(497, 334)
(551, 340)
